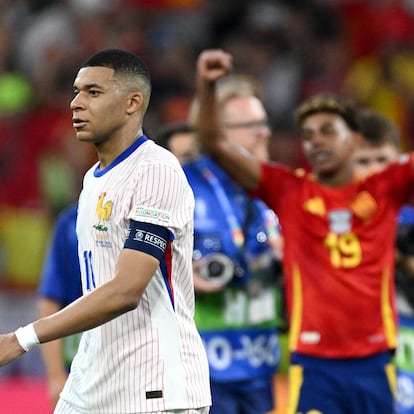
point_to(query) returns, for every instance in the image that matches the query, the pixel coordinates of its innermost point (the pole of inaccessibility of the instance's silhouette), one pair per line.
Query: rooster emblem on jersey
(103, 211)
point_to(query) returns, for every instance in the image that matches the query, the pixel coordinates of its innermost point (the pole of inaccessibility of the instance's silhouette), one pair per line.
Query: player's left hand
(212, 64)
(10, 348)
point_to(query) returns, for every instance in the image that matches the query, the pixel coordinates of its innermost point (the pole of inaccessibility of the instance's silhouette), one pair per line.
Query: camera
(217, 268)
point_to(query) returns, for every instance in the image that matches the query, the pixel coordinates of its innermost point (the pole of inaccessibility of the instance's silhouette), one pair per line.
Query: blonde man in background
(237, 248)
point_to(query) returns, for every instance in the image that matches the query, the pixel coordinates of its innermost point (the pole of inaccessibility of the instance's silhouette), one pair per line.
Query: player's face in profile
(99, 104)
(327, 141)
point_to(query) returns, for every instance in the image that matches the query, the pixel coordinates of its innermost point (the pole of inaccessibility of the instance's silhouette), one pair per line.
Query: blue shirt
(238, 323)
(61, 272)
(406, 215)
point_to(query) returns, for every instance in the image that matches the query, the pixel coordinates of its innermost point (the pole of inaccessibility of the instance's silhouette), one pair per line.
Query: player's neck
(340, 178)
(109, 149)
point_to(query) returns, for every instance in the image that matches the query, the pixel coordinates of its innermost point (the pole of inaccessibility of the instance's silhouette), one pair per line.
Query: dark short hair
(163, 136)
(125, 64)
(377, 129)
(330, 103)
(121, 61)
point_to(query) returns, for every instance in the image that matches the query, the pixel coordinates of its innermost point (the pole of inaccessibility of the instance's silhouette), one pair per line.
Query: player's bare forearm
(122, 294)
(87, 312)
(211, 66)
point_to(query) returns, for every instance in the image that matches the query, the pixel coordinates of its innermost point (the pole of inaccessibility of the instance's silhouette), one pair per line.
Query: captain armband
(148, 238)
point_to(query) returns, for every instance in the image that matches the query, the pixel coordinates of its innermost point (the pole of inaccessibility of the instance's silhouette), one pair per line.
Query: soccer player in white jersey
(140, 351)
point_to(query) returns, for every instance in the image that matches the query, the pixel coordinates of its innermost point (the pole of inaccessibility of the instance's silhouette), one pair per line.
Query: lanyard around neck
(236, 230)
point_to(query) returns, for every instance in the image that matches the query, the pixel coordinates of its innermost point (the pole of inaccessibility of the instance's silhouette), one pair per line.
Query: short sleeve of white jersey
(163, 197)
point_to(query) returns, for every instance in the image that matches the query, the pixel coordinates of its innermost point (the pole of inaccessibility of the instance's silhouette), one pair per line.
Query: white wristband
(27, 337)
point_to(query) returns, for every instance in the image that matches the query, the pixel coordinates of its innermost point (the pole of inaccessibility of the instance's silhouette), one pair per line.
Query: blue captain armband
(148, 238)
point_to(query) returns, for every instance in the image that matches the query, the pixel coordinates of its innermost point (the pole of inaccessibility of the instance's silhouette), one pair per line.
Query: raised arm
(240, 165)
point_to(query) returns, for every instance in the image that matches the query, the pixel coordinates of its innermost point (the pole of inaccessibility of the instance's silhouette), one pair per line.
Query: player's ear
(135, 102)
(358, 139)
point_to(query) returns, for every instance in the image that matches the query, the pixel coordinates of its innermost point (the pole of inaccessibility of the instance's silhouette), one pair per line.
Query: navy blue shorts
(242, 397)
(342, 386)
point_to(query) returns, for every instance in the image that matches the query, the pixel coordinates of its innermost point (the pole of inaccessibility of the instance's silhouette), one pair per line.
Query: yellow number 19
(345, 249)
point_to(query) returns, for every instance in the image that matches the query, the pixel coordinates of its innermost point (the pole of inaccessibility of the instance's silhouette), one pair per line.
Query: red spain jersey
(339, 257)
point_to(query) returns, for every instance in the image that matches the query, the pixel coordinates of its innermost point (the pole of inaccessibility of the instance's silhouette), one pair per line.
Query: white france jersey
(152, 358)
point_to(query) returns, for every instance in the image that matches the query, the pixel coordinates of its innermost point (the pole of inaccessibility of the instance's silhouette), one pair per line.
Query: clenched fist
(212, 64)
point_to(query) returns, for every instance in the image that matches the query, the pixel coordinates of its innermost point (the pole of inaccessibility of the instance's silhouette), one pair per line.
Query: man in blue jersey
(60, 285)
(236, 253)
